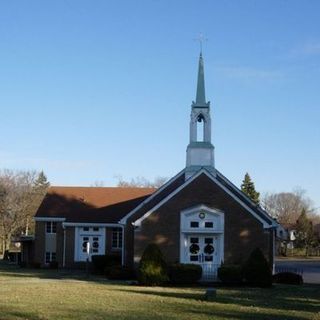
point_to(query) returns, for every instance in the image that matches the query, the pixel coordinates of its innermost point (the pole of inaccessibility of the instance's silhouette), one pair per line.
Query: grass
(48, 294)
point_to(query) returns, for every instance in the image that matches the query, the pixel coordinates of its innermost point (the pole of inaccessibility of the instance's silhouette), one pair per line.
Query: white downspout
(64, 247)
(122, 249)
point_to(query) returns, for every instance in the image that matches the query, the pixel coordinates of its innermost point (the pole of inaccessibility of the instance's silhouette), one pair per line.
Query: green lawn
(39, 294)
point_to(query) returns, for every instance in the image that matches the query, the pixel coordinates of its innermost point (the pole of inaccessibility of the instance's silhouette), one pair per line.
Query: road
(309, 269)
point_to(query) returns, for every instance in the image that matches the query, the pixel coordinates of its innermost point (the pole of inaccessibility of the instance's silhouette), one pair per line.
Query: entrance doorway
(203, 250)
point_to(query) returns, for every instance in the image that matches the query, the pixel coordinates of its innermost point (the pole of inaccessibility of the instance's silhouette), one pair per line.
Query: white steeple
(200, 151)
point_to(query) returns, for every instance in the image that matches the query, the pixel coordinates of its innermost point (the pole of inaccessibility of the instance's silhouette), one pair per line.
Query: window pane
(53, 256)
(48, 227)
(53, 227)
(208, 224)
(95, 229)
(47, 257)
(85, 228)
(194, 240)
(194, 224)
(193, 258)
(116, 238)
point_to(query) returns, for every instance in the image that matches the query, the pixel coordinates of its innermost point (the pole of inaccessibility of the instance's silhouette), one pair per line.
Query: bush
(230, 274)
(36, 265)
(121, 273)
(152, 268)
(53, 265)
(103, 262)
(257, 271)
(184, 273)
(288, 278)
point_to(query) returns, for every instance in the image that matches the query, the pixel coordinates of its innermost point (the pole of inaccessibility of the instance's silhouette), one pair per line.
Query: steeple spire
(200, 151)
(201, 95)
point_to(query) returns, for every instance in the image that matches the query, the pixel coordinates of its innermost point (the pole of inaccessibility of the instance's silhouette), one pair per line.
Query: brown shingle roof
(91, 204)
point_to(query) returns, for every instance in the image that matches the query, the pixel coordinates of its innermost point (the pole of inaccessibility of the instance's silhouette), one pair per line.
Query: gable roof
(226, 186)
(91, 204)
(161, 193)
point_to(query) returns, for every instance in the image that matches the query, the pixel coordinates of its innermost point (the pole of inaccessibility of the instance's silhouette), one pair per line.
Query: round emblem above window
(202, 215)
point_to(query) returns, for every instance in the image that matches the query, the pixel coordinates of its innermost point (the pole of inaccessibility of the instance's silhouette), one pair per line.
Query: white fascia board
(200, 207)
(86, 224)
(138, 221)
(47, 219)
(126, 217)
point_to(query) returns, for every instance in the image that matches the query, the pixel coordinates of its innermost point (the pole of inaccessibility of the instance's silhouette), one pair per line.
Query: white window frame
(118, 232)
(79, 233)
(50, 257)
(51, 224)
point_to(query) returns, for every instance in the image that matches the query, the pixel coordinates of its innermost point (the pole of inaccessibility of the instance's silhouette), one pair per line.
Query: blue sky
(90, 90)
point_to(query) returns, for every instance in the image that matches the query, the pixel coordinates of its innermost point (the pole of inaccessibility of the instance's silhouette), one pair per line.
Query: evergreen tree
(41, 182)
(248, 188)
(304, 231)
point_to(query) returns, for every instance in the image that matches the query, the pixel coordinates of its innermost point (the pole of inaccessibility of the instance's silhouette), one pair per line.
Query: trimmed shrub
(257, 271)
(53, 265)
(102, 262)
(36, 265)
(152, 268)
(180, 273)
(121, 273)
(288, 278)
(230, 274)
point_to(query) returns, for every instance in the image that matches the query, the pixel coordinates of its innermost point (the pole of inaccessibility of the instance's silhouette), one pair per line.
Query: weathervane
(201, 39)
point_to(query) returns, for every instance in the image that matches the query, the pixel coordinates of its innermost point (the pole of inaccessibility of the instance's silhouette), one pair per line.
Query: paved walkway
(309, 268)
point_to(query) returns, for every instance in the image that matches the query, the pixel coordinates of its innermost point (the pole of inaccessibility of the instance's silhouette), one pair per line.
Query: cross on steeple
(201, 39)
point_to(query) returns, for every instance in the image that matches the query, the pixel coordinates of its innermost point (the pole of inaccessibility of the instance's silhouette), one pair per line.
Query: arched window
(200, 127)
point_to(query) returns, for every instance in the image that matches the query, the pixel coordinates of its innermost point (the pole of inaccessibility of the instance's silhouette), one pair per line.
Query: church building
(198, 216)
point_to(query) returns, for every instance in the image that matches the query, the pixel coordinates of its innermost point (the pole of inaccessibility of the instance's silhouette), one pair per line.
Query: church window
(116, 238)
(208, 249)
(51, 227)
(50, 256)
(194, 248)
(194, 224)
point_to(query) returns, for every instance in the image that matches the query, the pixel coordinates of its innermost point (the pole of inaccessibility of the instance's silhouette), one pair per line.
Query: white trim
(122, 249)
(77, 245)
(166, 199)
(237, 190)
(126, 217)
(85, 224)
(64, 248)
(48, 219)
(209, 268)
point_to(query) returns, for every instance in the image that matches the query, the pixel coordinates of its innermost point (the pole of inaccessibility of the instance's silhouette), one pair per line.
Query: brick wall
(242, 233)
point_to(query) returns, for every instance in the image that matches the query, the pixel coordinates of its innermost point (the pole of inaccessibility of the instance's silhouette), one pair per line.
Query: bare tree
(98, 183)
(21, 193)
(286, 207)
(141, 182)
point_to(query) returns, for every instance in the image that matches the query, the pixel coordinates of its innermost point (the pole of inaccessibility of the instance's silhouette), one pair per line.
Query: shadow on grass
(293, 298)
(241, 314)
(8, 314)
(8, 270)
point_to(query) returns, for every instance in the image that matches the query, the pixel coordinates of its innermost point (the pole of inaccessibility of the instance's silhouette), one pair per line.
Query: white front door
(203, 249)
(94, 245)
(95, 236)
